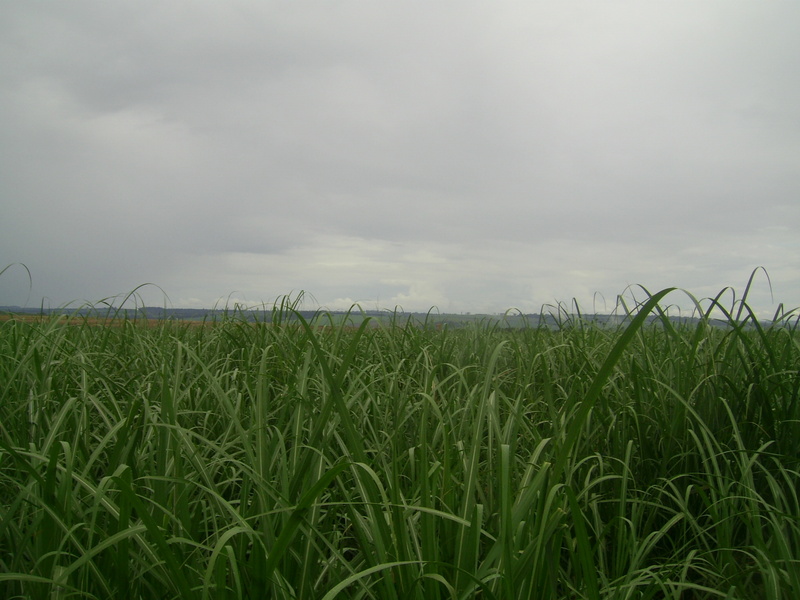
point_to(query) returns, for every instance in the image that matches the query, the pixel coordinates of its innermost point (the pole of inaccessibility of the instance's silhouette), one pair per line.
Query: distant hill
(456, 321)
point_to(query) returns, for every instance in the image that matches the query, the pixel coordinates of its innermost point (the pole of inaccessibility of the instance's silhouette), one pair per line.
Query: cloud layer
(474, 157)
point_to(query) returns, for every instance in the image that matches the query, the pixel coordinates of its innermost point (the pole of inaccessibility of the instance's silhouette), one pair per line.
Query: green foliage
(309, 458)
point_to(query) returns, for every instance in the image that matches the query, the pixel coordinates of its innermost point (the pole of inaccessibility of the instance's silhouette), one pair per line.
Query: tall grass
(296, 459)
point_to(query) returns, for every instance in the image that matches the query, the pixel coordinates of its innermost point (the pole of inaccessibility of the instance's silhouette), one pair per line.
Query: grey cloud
(144, 138)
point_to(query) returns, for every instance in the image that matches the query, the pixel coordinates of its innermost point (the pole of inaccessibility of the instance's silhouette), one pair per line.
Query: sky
(464, 156)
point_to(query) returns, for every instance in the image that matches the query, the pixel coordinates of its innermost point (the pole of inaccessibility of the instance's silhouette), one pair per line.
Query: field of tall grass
(297, 459)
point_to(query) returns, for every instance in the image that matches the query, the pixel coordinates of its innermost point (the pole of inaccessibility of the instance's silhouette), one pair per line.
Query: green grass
(303, 460)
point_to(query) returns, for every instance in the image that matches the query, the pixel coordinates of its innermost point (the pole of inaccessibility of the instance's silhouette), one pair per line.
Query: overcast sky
(473, 156)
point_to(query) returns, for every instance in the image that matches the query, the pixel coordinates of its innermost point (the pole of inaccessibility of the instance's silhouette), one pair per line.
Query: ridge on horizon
(510, 319)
